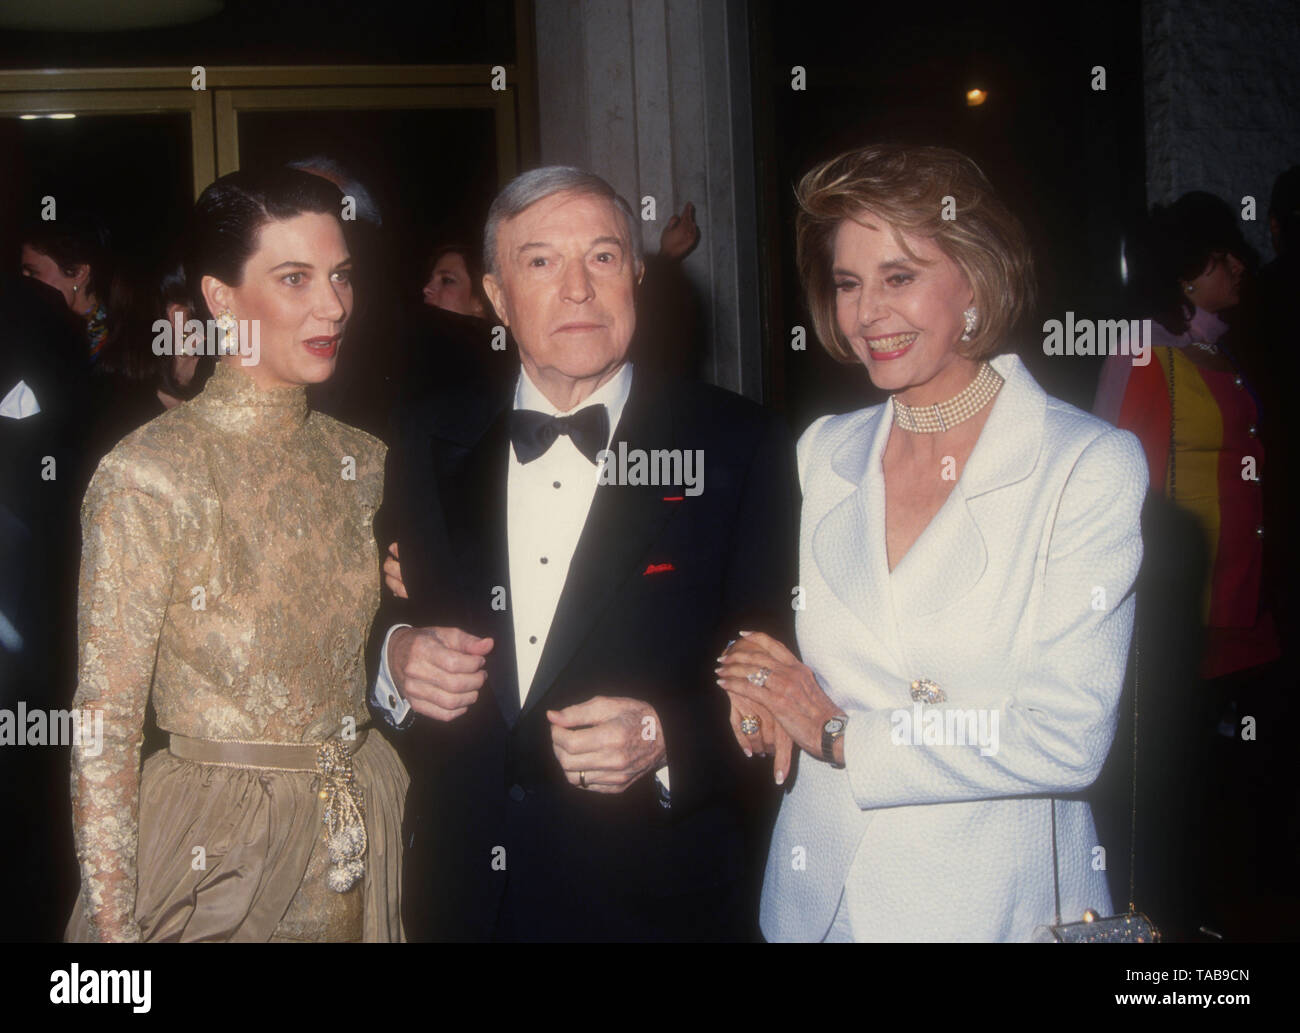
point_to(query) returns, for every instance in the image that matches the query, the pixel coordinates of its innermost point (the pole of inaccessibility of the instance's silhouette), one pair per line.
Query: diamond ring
(749, 724)
(760, 677)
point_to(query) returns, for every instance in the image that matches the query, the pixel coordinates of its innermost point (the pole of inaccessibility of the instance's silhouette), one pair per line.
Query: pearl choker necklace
(932, 419)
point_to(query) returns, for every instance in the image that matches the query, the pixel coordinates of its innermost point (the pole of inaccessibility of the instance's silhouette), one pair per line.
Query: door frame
(214, 110)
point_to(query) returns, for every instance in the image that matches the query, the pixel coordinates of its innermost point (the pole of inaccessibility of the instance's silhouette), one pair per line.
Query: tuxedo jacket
(1017, 601)
(499, 844)
(44, 346)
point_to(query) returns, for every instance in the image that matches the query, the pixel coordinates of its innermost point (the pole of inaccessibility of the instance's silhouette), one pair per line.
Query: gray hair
(526, 189)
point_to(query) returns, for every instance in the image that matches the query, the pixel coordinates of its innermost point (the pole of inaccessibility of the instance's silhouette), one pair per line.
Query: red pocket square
(657, 568)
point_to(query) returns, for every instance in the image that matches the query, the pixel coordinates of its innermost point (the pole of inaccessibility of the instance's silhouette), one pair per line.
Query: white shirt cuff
(664, 792)
(385, 696)
(20, 402)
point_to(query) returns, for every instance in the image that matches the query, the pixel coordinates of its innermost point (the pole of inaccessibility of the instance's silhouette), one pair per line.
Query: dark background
(432, 172)
(290, 32)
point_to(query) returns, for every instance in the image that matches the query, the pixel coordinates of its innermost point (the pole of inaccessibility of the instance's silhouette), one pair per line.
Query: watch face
(834, 726)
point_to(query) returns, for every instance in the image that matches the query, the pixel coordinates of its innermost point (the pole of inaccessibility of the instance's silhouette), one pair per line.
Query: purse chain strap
(1137, 667)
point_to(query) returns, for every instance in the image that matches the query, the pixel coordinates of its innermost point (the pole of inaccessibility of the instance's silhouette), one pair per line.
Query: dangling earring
(229, 338)
(969, 315)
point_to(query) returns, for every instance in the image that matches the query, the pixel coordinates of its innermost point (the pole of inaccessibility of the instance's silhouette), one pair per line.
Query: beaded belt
(344, 817)
(276, 756)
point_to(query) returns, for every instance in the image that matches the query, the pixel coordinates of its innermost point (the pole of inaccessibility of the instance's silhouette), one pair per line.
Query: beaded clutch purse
(1133, 927)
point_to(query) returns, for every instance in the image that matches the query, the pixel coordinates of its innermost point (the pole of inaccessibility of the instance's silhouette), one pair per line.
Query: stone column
(1222, 101)
(654, 95)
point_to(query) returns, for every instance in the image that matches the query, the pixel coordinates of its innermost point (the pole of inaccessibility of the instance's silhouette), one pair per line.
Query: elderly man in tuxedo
(567, 599)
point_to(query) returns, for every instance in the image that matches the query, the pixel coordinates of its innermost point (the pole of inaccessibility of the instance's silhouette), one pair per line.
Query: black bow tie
(532, 432)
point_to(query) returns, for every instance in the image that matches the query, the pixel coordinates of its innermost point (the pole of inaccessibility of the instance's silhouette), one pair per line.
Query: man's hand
(439, 670)
(607, 743)
(393, 573)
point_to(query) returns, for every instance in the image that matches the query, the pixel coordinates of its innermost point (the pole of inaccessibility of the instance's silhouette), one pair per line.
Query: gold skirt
(237, 854)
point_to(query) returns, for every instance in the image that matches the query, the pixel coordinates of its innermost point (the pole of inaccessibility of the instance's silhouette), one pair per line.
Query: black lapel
(622, 523)
(472, 477)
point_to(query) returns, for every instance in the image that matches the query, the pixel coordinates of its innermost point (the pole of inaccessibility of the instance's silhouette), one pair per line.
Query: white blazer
(1017, 600)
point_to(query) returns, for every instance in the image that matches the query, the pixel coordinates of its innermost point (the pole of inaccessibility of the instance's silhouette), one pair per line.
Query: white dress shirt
(20, 402)
(547, 503)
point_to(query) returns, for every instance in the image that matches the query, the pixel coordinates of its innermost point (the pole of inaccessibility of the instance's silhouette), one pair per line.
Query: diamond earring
(229, 338)
(969, 315)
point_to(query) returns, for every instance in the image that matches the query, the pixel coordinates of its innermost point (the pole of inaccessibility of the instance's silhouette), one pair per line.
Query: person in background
(43, 376)
(680, 235)
(1284, 218)
(1199, 409)
(670, 333)
(131, 383)
(455, 282)
(72, 255)
(1188, 273)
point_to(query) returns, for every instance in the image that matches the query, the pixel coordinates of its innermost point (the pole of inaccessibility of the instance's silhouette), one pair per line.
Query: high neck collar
(233, 401)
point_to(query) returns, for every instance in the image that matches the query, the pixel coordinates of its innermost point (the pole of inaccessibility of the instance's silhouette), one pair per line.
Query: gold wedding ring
(582, 779)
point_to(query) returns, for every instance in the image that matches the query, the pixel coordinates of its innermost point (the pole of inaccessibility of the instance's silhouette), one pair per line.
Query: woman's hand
(393, 573)
(770, 740)
(791, 693)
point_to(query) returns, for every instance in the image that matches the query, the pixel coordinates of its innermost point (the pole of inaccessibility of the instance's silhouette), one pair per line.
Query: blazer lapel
(943, 564)
(472, 475)
(1008, 448)
(950, 556)
(848, 544)
(621, 524)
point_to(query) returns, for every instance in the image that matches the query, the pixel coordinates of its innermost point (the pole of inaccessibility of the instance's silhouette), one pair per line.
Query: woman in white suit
(967, 559)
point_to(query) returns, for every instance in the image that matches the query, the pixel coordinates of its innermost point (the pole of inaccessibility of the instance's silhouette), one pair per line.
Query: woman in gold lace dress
(229, 570)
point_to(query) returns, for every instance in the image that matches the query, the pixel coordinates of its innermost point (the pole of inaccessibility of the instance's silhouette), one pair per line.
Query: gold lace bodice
(229, 567)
